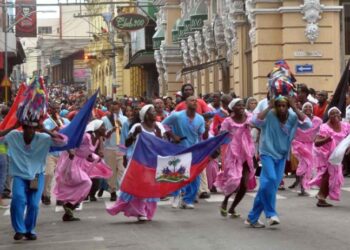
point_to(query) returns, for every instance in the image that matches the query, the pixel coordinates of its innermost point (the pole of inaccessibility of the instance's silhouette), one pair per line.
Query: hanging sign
(130, 22)
(26, 18)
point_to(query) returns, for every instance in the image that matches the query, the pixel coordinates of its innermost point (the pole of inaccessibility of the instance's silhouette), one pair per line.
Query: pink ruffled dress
(73, 177)
(322, 154)
(302, 146)
(241, 149)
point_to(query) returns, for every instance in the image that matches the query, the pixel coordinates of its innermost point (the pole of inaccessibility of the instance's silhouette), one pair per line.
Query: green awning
(158, 37)
(199, 16)
(175, 31)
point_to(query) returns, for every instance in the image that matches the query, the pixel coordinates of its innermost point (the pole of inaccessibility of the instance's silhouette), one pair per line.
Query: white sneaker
(187, 206)
(175, 203)
(273, 221)
(142, 218)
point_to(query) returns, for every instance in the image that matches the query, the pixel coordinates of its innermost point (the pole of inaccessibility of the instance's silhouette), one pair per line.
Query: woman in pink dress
(329, 177)
(143, 209)
(76, 169)
(302, 148)
(238, 160)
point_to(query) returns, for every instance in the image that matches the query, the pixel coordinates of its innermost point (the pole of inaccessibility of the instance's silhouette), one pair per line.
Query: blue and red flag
(76, 129)
(158, 168)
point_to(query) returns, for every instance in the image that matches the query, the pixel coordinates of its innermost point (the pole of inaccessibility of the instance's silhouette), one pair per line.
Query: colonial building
(231, 45)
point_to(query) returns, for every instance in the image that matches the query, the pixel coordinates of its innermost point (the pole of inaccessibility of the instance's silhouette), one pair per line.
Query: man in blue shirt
(53, 123)
(278, 126)
(113, 123)
(187, 127)
(27, 153)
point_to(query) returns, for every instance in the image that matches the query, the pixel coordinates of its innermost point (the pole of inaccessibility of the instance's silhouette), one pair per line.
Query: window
(45, 30)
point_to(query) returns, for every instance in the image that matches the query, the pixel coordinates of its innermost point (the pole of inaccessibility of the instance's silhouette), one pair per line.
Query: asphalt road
(303, 226)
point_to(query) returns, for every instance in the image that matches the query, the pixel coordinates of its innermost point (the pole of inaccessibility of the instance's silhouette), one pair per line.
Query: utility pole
(108, 17)
(4, 11)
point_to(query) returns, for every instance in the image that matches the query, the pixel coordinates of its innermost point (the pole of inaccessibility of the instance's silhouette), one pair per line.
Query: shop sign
(311, 53)
(130, 22)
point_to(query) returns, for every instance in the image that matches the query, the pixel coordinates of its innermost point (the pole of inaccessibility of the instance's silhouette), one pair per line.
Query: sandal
(223, 212)
(234, 215)
(323, 203)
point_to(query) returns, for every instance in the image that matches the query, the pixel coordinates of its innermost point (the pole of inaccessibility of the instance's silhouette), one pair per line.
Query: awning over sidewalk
(141, 57)
(206, 65)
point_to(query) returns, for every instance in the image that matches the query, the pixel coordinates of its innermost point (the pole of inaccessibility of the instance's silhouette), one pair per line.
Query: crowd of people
(270, 139)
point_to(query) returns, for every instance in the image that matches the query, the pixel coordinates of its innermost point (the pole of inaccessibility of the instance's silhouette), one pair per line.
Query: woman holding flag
(143, 209)
(238, 160)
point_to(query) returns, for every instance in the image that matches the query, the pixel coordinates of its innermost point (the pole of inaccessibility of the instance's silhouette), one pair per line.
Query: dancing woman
(302, 148)
(329, 177)
(75, 169)
(143, 209)
(238, 160)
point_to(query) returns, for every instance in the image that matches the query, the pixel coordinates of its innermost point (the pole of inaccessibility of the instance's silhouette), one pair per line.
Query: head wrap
(307, 103)
(233, 103)
(33, 108)
(281, 80)
(64, 112)
(331, 109)
(94, 125)
(144, 110)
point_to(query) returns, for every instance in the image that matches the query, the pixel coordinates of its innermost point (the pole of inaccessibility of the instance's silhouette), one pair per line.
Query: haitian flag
(158, 167)
(76, 129)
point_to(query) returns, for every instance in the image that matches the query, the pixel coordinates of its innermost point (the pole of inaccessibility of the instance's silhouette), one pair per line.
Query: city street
(303, 226)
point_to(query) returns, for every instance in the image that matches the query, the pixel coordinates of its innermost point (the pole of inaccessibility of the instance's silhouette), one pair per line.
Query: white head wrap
(331, 109)
(306, 104)
(94, 125)
(234, 102)
(144, 110)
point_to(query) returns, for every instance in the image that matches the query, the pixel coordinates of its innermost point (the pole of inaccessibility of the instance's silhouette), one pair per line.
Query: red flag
(11, 119)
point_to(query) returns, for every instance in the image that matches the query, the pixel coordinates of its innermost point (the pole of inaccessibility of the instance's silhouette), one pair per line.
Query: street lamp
(7, 29)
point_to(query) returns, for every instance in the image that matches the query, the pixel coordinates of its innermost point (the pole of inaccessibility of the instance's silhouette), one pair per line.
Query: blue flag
(76, 129)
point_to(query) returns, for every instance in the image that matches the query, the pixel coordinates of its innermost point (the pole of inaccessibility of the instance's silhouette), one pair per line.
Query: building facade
(231, 45)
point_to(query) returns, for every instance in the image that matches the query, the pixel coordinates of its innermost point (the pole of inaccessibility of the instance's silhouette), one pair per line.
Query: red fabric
(98, 113)
(319, 110)
(217, 120)
(71, 115)
(140, 181)
(202, 107)
(11, 119)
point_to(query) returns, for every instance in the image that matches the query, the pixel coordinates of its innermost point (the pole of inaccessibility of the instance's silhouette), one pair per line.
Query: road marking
(94, 239)
(346, 189)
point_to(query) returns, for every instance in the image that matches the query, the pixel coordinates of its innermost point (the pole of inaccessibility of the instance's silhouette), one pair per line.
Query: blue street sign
(304, 68)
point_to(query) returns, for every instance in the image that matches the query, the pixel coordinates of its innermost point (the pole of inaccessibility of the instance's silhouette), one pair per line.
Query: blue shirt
(182, 126)
(26, 161)
(276, 137)
(111, 142)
